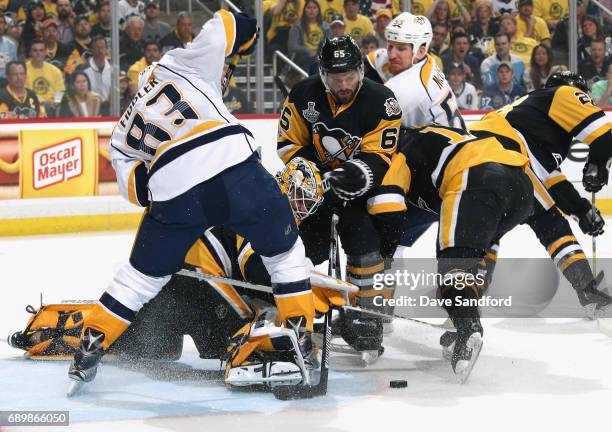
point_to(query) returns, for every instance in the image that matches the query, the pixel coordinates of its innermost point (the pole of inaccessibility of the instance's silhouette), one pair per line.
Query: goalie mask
(301, 181)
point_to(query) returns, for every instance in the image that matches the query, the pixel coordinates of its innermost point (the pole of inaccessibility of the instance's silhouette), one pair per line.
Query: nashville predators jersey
(177, 127)
(422, 91)
(544, 123)
(313, 126)
(427, 161)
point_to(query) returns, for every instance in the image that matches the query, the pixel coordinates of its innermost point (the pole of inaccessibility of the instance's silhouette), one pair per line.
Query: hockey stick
(289, 392)
(229, 72)
(594, 240)
(281, 86)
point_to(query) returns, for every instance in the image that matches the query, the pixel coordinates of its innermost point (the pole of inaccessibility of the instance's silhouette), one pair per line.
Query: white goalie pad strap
(290, 266)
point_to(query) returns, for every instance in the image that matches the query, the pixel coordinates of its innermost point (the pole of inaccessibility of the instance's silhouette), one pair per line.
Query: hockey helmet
(340, 54)
(301, 181)
(410, 29)
(567, 78)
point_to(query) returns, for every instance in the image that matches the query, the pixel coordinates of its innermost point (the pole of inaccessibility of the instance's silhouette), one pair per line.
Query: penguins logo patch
(392, 107)
(334, 145)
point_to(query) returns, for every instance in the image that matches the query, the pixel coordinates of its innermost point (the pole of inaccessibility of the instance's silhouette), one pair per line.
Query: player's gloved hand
(246, 35)
(590, 221)
(595, 176)
(140, 197)
(350, 180)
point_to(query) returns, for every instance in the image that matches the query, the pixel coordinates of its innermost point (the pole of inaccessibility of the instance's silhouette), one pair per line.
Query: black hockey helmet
(567, 78)
(340, 54)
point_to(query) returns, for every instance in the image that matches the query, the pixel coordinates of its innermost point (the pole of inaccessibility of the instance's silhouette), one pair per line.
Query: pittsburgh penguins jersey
(221, 252)
(367, 128)
(422, 91)
(542, 125)
(177, 126)
(427, 161)
(14, 107)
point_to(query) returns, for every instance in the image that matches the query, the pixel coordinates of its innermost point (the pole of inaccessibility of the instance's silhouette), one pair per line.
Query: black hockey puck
(398, 383)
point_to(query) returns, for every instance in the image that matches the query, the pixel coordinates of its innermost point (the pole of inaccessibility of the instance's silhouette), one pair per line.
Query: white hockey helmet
(410, 29)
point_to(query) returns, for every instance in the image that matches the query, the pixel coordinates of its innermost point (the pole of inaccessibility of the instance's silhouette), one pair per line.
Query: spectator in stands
(103, 20)
(502, 7)
(369, 44)
(98, 68)
(439, 13)
(13, 32)
(601, 91)
(234, 99)
(57, 52)
(419, 7)
(330, 9)
(383, 18)
(483, 26)
(529, 25)
(458, 53)
(17, 101)
(181, 36)
(306, 37)
(371, 7)
(131, 45)
(8, 50)
(284, 15)
(560, 39)
(541, 66)
(337, 26)
(125, 95)
(33, 26)
(520, 46)
(551, 11)
(357, 25)
(152, 53)
(85, 7)
(465, 93)
(65, 15)
(82, 35)
(155, 29)
(591, 30)
(79, 100)
(439, 43)
(488, 68)
(46, 80)
(504, 91)
(594, 68)
(129, 8)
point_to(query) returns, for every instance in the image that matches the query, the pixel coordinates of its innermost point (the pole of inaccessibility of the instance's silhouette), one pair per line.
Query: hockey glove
(595, 176)
(590, 221)
(246, 35)
(350, 180)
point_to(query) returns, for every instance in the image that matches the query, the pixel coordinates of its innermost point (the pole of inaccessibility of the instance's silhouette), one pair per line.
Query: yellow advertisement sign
(58, 163)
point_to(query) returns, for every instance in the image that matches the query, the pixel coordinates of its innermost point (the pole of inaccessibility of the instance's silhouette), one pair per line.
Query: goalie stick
(289, 392)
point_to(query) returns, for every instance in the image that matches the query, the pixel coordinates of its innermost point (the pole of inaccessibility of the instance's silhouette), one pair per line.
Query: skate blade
(463, 369)
(74, 388)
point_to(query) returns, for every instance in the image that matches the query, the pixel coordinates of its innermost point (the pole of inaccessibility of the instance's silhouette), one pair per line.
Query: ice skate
(468, 344)
(84, 367)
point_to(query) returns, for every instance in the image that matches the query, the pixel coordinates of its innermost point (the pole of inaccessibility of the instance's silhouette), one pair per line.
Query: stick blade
(296, 392)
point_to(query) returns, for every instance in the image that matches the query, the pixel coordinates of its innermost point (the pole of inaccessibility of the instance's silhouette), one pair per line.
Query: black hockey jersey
(311, 125)
(542, 125)
(428, 160)
(13, 107)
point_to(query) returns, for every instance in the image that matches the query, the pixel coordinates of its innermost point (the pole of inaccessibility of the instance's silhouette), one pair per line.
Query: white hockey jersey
(422, 92)
(177, 124)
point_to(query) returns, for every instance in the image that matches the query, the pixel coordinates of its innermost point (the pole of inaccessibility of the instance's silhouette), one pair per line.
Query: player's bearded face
(343, 86)
(400, 57)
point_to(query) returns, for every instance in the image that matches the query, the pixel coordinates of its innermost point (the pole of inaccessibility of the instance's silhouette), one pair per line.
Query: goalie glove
(590, 221)
(350, 180)
(595, 176)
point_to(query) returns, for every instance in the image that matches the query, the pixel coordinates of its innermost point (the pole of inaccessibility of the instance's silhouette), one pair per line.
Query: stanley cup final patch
(392, 107)
(311, 114)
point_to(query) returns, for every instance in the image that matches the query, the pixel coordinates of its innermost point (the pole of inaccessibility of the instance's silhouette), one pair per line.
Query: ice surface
(533, 374)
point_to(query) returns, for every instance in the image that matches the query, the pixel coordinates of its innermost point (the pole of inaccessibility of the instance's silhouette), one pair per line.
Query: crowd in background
(54, 54)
